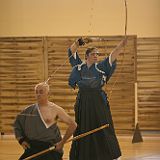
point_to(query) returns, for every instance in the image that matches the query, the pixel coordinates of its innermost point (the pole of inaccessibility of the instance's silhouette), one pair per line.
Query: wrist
(76, 43)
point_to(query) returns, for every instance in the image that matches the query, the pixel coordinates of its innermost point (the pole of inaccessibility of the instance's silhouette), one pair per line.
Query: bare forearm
(117, 50)
(69, 132)
(74, 47)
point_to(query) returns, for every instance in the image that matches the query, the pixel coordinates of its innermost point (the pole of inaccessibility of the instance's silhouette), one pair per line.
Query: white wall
(78, 17)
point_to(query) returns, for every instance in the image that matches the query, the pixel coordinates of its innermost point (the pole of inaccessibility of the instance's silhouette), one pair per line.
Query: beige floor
(147, 150)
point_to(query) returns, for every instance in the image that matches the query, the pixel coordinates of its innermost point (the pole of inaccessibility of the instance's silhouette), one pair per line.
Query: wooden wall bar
(21, 67)
(148, 76)
(25, 61)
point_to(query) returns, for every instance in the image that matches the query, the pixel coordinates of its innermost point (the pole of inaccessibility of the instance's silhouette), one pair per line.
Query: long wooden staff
(72, 139)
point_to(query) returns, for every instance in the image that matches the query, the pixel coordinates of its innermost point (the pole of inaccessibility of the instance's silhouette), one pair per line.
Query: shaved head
(42, 85)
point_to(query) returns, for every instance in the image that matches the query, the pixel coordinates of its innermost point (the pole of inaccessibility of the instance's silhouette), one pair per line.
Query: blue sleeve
(72, 60)
(105, 66)
(74, 77)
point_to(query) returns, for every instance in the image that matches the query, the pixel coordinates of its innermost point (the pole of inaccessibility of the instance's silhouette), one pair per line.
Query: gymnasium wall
(26, 61)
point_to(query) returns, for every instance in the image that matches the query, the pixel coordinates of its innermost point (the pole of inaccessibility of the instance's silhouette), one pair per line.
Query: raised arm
(74, 47)
(74, 59)
(79, 42)
(118, 49)
(108, 65)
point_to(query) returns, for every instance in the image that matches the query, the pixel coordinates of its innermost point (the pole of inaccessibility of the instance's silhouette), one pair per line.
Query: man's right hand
(79, 42)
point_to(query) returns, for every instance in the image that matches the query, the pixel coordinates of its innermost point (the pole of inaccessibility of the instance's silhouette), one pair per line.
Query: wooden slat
(21, 67)
(26, 61)
(148, 75)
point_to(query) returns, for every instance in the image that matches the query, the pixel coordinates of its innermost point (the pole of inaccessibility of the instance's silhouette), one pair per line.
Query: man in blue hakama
(92, 108)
